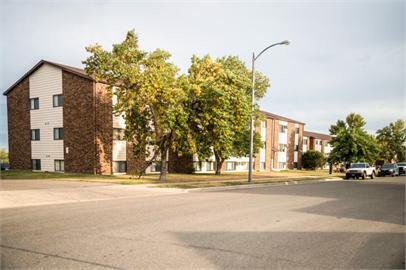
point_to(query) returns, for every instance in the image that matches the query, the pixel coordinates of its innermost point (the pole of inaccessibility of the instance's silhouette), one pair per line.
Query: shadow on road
(310, 250)
(373, 201)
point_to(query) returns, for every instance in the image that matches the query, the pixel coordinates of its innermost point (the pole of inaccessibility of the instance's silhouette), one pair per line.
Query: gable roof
(317, 135)
(279, 117)
(77, 71)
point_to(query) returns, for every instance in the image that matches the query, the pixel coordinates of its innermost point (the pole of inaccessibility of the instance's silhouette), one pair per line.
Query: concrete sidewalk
(19, 193)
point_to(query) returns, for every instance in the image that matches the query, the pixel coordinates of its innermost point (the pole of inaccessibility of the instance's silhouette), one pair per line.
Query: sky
(344, 56)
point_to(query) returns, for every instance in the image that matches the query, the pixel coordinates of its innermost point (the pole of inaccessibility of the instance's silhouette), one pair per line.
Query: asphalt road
(344, 224)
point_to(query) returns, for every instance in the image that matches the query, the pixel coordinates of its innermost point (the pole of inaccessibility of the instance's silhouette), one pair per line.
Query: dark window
(36, 164)
(58, 133)
(119, 166)
(231, 166)
(34, 103)
(59, 165)
(35, 135)
(297, 130)
(118, 134)
(296, 148)
(282, 147)
(295, 165)
(57, 100)
(283, 128)
(210, 166)
(197, 165)
(156, 167)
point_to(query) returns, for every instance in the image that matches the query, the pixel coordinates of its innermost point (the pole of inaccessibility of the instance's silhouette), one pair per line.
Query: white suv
(362, 170)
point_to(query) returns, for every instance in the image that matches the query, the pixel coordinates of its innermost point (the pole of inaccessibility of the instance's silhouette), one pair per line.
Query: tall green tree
(351, 143)
(392, 141)
(3, 156)
(220, 107)
(148, 96)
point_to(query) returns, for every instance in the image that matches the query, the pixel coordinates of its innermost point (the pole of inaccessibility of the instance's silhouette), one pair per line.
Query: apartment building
(282, 148)
(60, 119)
(317, 141)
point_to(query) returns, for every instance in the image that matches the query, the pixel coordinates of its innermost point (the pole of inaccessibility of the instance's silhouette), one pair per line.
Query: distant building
(317, 141)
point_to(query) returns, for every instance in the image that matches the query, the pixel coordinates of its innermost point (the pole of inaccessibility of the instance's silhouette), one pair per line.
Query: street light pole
(252, 125)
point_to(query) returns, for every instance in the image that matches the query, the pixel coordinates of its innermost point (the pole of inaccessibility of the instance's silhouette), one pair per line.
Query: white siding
(44, 83)
(119, 150)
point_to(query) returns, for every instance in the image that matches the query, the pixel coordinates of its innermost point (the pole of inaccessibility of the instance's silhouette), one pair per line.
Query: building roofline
(317, 135)
(279, 117)
(77, 71)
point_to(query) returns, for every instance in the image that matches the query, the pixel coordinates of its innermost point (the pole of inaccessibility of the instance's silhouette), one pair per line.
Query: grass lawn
(176, 180)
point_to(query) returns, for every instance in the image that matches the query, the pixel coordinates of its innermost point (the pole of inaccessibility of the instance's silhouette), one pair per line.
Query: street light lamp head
(286, 42)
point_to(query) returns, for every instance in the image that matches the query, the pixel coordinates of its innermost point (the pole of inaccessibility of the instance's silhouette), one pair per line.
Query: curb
(249, 186)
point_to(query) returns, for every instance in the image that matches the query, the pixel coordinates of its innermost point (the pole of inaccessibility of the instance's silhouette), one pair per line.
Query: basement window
(59, 165)
(36, 164)
(119, 166)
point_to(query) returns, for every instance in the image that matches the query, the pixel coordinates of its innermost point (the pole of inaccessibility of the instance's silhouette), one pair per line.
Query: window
(36, 164)
(156, 166)
(297, 130)
(35, 135)
(262, 166)
(57, 100)
(118, 134)
(263, 124)
(296, 148)
(34, 103)
(282, 165)
(119, 166)
(197, 165)
(282, 148)
(283, 128)
(58, 133)
(210, 166)
(59, 165)
(230, 166)
(295, 165)
(304, 140)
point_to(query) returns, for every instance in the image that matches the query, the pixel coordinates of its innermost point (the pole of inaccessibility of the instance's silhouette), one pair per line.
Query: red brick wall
(300, 153)
(276, 143)
(79, 124)
(19, 137)
(290, 145)
(104, 129)
(268, 144)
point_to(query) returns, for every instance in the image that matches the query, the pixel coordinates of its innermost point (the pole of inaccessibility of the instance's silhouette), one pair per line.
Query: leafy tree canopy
(220, 106)
(351, 143)
(392, 141)
(148, 93)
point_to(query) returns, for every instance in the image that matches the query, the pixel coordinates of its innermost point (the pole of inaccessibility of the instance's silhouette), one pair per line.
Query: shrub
(313, 160)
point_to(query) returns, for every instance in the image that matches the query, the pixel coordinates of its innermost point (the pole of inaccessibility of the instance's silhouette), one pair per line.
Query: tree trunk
(219, 162)
(162, 175)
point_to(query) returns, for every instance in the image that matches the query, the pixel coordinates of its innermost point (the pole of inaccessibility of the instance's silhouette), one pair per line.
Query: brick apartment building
(60, 119)
(317, 141)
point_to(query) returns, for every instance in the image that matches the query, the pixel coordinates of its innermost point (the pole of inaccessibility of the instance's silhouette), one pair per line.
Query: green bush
(313, 160)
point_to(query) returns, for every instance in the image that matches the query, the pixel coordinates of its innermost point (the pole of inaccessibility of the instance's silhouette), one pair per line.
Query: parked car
(402, 168)
(391, 169)
(363, 170)
(4, 166)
